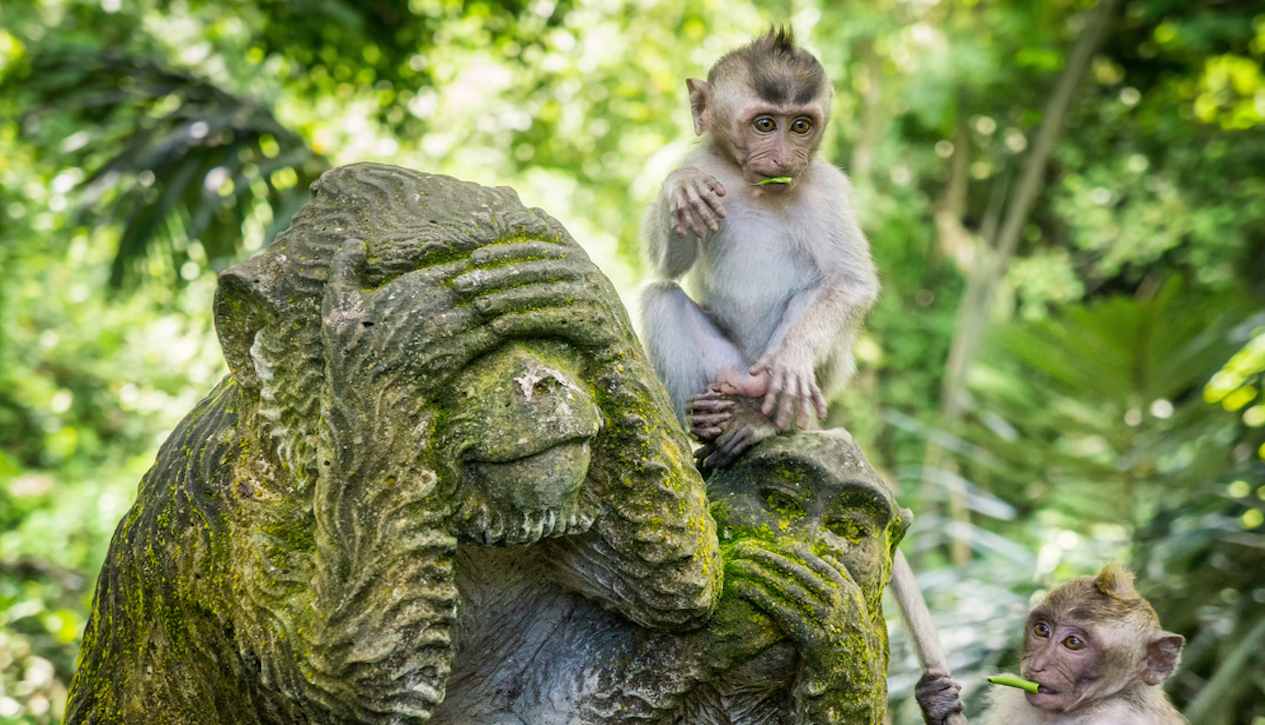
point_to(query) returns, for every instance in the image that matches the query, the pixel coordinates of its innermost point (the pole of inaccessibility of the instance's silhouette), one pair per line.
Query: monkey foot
(727, 425)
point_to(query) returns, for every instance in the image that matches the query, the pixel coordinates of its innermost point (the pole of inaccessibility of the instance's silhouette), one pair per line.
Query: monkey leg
(686, 348)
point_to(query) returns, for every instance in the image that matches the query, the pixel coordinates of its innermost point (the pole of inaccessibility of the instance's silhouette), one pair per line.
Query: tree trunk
(990, 266)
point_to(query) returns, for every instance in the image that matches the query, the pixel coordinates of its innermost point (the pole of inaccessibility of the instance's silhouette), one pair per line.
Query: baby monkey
(1096, 649)
(782, 273)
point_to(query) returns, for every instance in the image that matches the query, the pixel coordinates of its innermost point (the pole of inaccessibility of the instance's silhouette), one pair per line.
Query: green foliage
(1116, 410)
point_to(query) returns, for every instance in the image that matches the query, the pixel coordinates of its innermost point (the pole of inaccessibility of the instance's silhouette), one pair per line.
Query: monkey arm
(605, 671)
(652, 553)
(369, 653)
(822, 321)
(670, 256)
(688, 208)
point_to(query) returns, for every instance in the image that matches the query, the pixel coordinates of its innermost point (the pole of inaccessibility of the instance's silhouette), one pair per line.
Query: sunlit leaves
(1232, 92)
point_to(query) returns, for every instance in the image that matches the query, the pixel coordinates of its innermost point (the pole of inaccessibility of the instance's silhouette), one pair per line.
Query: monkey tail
(922, 631)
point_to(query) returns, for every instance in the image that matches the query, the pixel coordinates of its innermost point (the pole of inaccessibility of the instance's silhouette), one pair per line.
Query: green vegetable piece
(774, 180)
(1012, 681)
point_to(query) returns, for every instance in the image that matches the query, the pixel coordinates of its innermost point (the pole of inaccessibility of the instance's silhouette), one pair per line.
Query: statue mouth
(525, 451)
(542, 489)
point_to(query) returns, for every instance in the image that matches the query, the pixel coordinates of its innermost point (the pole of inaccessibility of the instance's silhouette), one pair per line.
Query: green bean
(1012, 681)
(774, 180)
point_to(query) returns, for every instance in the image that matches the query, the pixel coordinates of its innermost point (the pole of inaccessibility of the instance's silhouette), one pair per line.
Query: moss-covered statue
(807, 529)
(441, 482)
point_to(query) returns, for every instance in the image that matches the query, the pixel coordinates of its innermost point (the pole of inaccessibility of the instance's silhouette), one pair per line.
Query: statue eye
(1074, 643)
(848, 529)
(765, 124)
(780, 503)
(1041, 630)
(801, 126)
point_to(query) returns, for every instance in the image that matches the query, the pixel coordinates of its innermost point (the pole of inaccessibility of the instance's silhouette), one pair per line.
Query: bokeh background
(1066, 200)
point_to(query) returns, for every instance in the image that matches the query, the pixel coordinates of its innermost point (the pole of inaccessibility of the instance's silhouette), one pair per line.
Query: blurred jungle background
(1066, 200)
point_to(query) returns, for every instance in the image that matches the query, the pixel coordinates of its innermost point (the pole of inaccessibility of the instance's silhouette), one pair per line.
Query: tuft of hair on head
(1116, 582)
(777, 69)
(1106, 596)
(778, 41)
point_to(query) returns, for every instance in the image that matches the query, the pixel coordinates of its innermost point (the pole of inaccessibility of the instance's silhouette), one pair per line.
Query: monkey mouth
(1041, 689)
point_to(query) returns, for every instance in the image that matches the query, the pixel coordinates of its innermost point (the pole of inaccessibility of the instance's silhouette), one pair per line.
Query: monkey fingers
(806, 575)
(588, 325)
(524, 299)
(827, 567)
(483, 280)
(726, 447)
(696, 205)
(938, 696)
(357, 323)
(787, 616)
(707, 413)
(706, 427)
(508, 253)
(782, 395)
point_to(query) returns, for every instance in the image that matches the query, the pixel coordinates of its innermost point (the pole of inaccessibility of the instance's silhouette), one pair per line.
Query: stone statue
(442, 483)
(808, 530)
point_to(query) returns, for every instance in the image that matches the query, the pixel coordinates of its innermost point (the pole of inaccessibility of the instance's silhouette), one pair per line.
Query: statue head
(506, 412)
(417, 362)
(818, 489)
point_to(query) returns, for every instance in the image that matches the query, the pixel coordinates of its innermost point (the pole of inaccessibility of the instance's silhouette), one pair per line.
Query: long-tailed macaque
(1096, 649)
(781, 270)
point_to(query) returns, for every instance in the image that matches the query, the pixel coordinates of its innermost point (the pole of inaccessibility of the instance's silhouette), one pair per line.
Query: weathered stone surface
(441, 480)
(290, 557)
(808, 531)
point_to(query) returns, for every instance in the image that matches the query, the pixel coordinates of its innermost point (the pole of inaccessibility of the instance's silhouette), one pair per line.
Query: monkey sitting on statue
(1096, 649)
(782, 271)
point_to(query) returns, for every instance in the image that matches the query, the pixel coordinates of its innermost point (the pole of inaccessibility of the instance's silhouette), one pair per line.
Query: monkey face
(773, 140)
(820, 492)
(521, 429)
(1066, 658)
(1090, 639)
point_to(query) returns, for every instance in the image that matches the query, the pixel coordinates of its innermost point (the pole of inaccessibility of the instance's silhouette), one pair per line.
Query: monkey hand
(792, 384)
(938, 696)
(694, 198)
(815, 601)
(812, 598)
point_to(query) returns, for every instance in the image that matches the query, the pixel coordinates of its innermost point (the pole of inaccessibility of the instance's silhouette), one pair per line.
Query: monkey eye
(848, 529)
(781, 503)
(801, 126)
(1042, 630)
(1074, 643)
(765, 124)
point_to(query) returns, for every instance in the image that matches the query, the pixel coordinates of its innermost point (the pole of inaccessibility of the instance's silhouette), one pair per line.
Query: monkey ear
(241, 310)
(700, 104)
(906, 520)
(1163, 653)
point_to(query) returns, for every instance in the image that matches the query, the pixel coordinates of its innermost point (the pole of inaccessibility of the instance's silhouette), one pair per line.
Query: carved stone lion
(418, 365)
